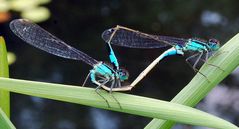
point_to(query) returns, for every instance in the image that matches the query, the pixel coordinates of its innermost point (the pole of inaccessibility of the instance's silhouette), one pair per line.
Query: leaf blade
(131, 104)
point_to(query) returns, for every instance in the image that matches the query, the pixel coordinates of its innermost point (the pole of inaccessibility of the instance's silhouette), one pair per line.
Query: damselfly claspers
(101, 73)
(126, 37)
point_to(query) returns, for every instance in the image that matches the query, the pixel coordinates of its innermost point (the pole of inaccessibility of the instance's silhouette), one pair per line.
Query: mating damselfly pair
(112, 75)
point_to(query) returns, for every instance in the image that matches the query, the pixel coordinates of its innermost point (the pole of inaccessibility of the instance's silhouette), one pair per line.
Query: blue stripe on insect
(112, 57)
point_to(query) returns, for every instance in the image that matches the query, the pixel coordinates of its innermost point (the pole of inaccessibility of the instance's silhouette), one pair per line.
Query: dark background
(80, 24)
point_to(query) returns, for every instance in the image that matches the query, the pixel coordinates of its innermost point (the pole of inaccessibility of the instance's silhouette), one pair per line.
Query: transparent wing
(127, 37)
(40, 38)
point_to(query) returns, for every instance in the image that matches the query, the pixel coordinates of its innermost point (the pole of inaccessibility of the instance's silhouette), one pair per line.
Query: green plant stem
(4, 72)
(227, 58)
(130, 104)
(5, 123)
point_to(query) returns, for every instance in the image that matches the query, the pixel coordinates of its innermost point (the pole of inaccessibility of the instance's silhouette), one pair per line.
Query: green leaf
(4, 95)
(227, 58)
(5, 123)
(130, 104)
(3, 59)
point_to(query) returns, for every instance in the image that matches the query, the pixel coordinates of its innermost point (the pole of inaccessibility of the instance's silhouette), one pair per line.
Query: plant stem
(4, 72)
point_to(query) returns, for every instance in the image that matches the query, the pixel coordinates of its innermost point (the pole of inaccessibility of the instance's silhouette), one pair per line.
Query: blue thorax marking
(196, 45)
(112, 57)
(103, 70)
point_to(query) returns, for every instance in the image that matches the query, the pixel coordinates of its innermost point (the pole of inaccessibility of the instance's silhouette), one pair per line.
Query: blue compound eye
(214, 44)
(123, 73)
(214, 41)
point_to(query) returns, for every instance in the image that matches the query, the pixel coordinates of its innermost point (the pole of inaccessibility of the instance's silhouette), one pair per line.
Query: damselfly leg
(87, 77)
(111, 87)
(98, 92)
(118, 83)
(101, 83)
(219, 53)
(199, 58)
(206, 61)
(195, 64)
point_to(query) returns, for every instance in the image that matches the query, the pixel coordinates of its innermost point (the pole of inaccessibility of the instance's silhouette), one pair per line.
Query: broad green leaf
(130, 104)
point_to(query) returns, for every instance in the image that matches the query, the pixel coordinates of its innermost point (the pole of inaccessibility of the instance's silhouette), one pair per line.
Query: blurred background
(80, 24)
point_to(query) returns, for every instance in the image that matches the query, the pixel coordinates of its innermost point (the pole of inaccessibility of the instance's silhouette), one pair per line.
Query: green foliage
(5, 123)
(4, 95)
(226, 58)
(130, 104)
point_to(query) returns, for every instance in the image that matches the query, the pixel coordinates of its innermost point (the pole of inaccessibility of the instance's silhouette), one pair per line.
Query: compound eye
(107, 33)
(122, 73)
(111, 30)
(213, 41)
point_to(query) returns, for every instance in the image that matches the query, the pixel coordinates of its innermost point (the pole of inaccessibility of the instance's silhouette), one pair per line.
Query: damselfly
(127, 37)
(101, 74)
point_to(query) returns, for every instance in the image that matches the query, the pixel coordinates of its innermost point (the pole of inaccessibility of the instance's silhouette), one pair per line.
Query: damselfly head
(214, 44)
(123, 74)
(107, 34)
